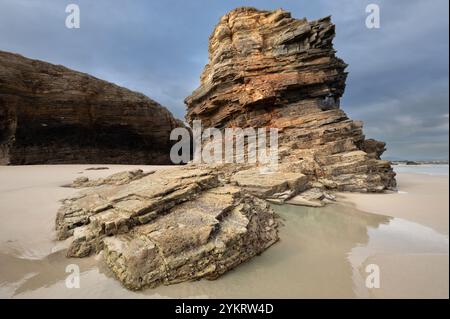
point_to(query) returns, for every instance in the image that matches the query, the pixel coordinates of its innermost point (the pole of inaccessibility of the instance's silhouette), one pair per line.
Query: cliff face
(267, 69)
(50, 114)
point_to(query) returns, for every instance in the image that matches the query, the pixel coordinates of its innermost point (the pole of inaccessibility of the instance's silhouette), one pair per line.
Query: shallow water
(428, 169)
(321, 253)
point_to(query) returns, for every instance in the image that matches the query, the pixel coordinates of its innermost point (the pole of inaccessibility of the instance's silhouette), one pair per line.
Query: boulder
(174, 225)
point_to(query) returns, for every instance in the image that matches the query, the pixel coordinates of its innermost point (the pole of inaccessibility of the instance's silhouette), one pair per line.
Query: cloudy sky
(398, 74)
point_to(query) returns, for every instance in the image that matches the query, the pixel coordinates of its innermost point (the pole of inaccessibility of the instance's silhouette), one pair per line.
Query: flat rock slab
(265, 185)
(301, 201)
(115, 179)
(167, 227)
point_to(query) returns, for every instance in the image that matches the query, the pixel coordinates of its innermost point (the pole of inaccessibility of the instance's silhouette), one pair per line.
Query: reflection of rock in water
(30, 274)
(320, 240)
(319, 256)
(332, 222)
(310, 261)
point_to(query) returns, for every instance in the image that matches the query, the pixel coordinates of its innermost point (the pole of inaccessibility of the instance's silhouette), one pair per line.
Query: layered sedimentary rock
(267, 69)
(50, 114)
(167, 226)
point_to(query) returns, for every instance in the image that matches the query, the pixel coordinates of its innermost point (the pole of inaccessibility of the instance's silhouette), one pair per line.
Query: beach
(422, 197)
(323, 252)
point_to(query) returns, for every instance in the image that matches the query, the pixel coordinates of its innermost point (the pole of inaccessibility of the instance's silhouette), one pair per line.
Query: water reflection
(320, 255)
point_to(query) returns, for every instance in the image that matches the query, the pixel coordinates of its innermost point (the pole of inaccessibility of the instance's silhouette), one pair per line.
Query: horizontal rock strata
(120, 178)
(166, 227)
(269, 185)
(267, 69)
(50, 115)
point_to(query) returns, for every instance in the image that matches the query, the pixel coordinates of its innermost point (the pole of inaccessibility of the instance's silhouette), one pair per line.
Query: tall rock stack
(267, 69)
(50, 114)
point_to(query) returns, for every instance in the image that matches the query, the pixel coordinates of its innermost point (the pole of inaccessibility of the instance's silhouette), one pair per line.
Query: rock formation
(267, 69)
(50, 114)
(168, 226)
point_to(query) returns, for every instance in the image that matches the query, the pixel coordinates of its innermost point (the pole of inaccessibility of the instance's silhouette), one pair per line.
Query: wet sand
(323, 253)
(421, 198)
(29, 199)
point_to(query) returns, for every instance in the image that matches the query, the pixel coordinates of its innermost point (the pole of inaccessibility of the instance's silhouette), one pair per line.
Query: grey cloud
(398, 74)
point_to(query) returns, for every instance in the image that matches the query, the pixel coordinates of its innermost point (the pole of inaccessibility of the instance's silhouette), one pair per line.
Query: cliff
(267, 69)
(50, 114)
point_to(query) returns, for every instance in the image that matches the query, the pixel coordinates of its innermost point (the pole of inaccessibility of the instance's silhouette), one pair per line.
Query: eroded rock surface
(173, 225)
(50, 115)
(267, 69)
(115, 179)
(269, 185)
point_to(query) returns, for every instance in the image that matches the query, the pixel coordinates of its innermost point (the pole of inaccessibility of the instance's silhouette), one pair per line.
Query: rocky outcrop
(172, 225)
(50, 114)
(267, 69)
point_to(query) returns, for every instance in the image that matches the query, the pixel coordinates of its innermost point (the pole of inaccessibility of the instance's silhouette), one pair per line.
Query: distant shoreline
(424, 162)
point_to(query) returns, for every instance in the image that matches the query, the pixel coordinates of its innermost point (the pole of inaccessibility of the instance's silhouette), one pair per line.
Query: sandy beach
(323, 252)
(421, 198)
